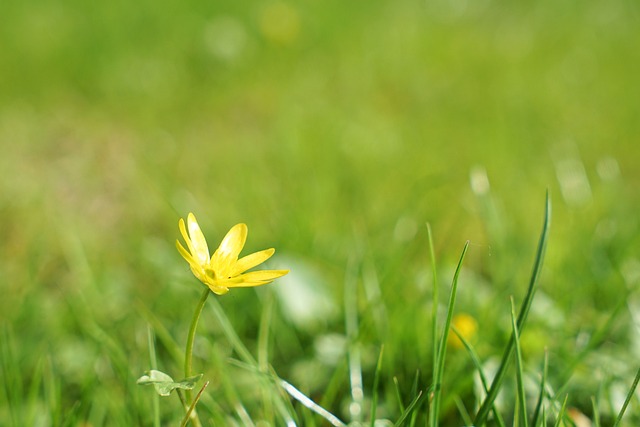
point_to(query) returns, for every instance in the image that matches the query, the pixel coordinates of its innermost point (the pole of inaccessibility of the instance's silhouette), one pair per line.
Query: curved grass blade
(519, 368)
(562, 413)
(352, 327)
(414, 392)
(376, 381)
(396, 386)
(632, 391)
(154, 365)
(306, 401)
(281, 404)
(483, 412)
(187, 416)
(434, 297)
(415, 403)
(464, 414)
(596, 412)
(596, 339)
(442, 345)
(543, 384)
(478, 365)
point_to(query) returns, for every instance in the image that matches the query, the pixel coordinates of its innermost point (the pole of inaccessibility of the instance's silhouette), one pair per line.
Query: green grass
(335, 143)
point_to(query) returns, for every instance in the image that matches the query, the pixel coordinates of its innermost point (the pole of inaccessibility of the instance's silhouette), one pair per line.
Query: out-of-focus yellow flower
(224, 270)
(280, 23)
(466, 325)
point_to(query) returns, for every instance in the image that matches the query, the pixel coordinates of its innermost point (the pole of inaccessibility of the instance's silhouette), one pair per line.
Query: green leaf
(164, 384)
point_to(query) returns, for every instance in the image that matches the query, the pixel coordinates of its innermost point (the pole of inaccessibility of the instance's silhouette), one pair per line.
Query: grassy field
(336, 131)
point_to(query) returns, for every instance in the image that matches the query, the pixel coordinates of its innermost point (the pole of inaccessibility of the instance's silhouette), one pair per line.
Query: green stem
(190, 339)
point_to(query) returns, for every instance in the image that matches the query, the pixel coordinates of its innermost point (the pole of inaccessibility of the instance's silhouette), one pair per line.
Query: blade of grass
(596, 412)
(630, 395)
(442, 346)
(11, 377)
(483, 412)
(246, 356)
(154, 365)
(596, 339)
(34, 391)
(483, 378)
(162, 333)
(291, 390)
(434, 297)
(187, 416)
(306, 401)
(562, 412)
(519, 368)
(353, 351)
(543, 385)
(334, 386)
(375, 301)
(464, 414)
(434, 319)
(414, 392)
(396, 387)
(52, 392)
(376, 381)
(411, 409)
(263, 349)
(230, 391)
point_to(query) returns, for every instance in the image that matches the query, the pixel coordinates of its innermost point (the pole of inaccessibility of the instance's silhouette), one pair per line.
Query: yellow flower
(466, 326)
(224, 270)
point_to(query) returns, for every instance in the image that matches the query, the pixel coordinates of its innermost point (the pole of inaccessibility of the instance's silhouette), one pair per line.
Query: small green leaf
(164, 384)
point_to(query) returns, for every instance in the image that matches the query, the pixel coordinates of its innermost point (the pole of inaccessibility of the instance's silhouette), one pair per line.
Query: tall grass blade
(376, 382)
(187, 416)
(562, 412)
(414, 392)
(596, 412)
(263, 349)
(597, 338)
(464, 414)
(415, 403)
(306, 401)
(483, 412)
(11, 377)
(161, 333)
(396, 386)
(630, 395)
(435, 302)
(154, 365)
(231, 394)
(543, 385)
(352, 329)
(247, 358)
(519, 369)
(442, 345)
(483, 378)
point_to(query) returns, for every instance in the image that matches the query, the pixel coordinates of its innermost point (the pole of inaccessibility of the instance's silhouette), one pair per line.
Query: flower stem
(190, 339)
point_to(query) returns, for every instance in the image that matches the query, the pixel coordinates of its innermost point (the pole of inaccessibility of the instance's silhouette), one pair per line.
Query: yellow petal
(186, 255)
(257, 278)
(200, 251)
(216, 288)
(250, 261)
(227, 253)
(185, 235)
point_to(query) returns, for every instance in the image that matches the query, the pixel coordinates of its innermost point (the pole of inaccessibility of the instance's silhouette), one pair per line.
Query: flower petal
(256, 278)
(200, 250)
(216, 287)
(186, 255)
(185, 235)
(252, 260)
(227, 253)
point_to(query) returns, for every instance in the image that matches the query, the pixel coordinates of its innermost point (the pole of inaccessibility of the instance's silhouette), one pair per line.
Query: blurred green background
(335, 131)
